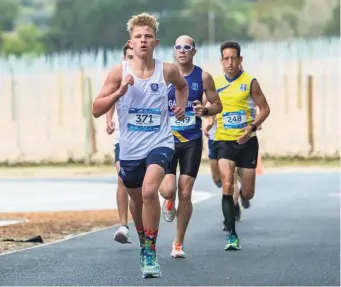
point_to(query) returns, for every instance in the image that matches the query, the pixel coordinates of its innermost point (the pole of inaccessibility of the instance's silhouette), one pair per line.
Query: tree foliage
(79, 25)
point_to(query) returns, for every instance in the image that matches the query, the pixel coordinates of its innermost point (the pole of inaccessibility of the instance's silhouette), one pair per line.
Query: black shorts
(188, 155)
(117, 152)
(244, 155)
(132, 172)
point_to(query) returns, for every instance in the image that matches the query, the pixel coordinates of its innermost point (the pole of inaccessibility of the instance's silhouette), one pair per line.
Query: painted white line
(61, 196)
(282, 170)
(5, 222)
(56, 196)
(334, 195)
(197, 196)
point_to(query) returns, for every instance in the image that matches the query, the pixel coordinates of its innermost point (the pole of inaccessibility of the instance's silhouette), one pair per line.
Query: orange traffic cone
(260, 167)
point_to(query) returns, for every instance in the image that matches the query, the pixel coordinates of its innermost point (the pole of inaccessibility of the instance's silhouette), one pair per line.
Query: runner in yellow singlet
(236, 143)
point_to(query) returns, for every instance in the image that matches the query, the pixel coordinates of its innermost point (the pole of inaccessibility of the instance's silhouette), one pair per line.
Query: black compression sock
(224, 206)
(229, 211)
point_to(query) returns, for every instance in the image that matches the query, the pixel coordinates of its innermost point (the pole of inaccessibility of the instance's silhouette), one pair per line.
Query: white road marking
(65, 196)
(334, 195)
(5, 222)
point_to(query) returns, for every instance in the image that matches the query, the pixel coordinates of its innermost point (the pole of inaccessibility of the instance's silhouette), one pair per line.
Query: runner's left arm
(180, 85)
(261, 102)
(211, 95)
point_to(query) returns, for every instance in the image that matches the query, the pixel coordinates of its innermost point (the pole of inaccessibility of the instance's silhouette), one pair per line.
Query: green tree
(100, 23)
(9, 10)
(26, 41)
(333, 26)
(218, 20)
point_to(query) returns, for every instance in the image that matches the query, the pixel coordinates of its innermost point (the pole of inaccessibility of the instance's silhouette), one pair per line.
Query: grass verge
(51, 226)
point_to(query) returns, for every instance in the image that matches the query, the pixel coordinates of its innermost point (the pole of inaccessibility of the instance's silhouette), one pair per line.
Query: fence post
(60, 98)
(90, 137)
(299, 85)
(286, 95)
(13, 97)
(310, 108)
(14, 108)
(91, 119)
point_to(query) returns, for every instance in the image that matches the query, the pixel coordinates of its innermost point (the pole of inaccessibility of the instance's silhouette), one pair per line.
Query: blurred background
(55, 55)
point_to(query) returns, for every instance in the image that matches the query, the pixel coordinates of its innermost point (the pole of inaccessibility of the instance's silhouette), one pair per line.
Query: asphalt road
(290, 236)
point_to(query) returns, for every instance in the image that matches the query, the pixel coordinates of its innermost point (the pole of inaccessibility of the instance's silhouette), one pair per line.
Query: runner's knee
(248, 193)
(149, 192)
(216, 178)
(185, 195)
(228, 187)
(168, 192)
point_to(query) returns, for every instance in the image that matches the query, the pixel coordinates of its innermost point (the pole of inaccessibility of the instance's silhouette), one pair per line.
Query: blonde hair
(143, 19)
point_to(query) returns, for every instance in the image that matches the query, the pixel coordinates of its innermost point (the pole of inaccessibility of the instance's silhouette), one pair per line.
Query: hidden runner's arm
(209, 125)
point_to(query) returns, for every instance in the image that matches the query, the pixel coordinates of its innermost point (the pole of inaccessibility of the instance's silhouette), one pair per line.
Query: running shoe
(178, 251)
(122, 235)
(232, 242)
(151, 267)
(168, 210)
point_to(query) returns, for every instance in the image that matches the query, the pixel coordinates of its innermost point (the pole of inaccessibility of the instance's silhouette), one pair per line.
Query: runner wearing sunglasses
(188, 139)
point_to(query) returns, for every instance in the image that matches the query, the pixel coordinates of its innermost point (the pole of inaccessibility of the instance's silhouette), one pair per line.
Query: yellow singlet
(239, 109)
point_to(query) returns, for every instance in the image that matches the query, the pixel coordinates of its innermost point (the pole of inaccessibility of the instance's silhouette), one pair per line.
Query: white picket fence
(45, 103)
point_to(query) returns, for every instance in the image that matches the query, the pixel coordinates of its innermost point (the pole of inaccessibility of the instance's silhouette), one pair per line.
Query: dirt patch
(51, 226)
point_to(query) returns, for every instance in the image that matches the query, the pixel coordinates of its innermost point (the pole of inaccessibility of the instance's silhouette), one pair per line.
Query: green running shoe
(151, 267)
(141, 258)
(232, 242)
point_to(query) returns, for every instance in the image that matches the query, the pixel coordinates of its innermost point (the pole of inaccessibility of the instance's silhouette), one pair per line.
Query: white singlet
(143, 115)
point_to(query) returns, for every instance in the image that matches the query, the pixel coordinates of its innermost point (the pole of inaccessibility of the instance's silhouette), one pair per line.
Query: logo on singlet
(195, 86)
(155, 89)
(243, 87)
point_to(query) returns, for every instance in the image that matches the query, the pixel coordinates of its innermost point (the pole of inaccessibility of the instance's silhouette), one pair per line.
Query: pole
(310, 108)
(211, 26)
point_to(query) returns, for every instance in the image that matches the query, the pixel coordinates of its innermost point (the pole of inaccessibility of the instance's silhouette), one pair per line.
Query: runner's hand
(207, 128)
(178, 112)
(246, 136)
(110, 127)
(129, 80)
(198, 108)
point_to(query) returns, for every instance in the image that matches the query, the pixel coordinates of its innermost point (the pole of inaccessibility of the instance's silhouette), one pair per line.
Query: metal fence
(45, 103)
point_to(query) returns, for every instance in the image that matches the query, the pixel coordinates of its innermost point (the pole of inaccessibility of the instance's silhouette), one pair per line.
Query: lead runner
(139, 89)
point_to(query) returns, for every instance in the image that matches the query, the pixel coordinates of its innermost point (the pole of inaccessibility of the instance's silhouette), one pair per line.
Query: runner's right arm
(114, 88)
(110, 113)
(110, 123)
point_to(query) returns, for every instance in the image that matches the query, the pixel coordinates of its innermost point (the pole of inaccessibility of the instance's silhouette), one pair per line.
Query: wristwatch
(205, 113)
(253, 128)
